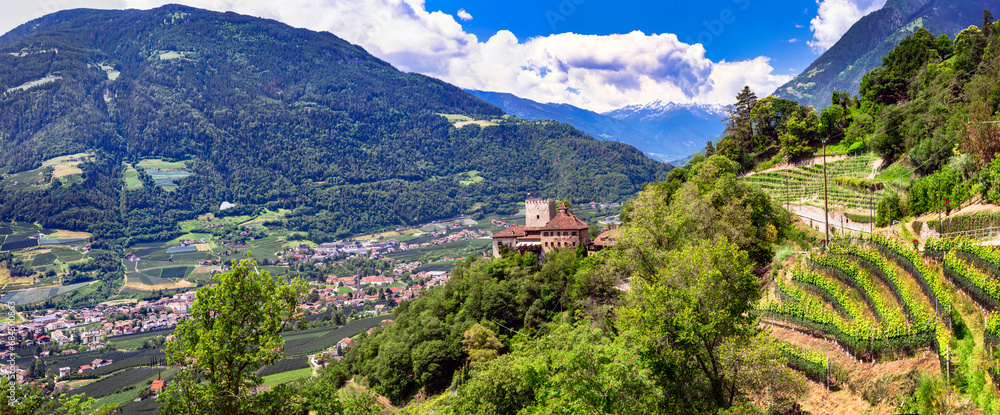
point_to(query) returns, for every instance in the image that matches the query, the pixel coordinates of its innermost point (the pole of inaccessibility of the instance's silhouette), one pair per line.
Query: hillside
(664, 131)
(861, 49)
(259, 114)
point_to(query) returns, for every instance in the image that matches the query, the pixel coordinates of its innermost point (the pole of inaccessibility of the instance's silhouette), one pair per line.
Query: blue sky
(756, 27)
(595, 54)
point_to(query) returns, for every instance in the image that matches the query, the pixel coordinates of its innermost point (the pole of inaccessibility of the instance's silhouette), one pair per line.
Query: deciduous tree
(234, 329)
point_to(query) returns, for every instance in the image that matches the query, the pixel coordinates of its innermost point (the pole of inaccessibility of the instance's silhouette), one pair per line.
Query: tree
(739, 115)
(22, 399)
(481, 344)
(575, 369)
(234, 329)
(694, 321)
(75, 405)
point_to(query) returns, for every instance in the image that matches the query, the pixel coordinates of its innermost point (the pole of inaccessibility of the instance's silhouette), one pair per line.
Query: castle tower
(539, 212)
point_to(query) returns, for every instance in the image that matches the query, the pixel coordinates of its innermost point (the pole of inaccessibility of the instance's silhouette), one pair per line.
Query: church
(546, 228)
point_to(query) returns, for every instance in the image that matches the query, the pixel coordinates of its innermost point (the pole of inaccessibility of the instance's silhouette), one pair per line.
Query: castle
(546, 228)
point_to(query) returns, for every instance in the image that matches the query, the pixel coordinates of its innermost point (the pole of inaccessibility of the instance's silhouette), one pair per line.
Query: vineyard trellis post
(826, 202)
(939, 207)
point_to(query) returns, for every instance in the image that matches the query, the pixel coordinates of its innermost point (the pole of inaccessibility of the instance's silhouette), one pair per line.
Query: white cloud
(595, 72)
(464, 15)
(793, 40)
(835, 17)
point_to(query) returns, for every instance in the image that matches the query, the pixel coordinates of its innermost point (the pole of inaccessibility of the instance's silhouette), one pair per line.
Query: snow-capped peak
(660, 108)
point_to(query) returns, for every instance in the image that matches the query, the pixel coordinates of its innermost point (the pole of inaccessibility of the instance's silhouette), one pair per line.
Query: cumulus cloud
(835, 17)
(464, 15)
(594, 72)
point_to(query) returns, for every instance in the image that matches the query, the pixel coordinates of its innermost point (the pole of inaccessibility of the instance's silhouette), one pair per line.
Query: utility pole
(826, 202)
(939, 208)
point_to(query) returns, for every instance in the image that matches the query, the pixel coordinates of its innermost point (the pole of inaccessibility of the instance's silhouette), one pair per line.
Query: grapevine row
(854, 275)
(814, 364)
(888, 273)
(976, 283)
(832, 292)
(910, 260)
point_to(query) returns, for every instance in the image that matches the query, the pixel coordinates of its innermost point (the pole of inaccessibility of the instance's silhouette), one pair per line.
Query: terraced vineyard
(804, 185)
(876, 301)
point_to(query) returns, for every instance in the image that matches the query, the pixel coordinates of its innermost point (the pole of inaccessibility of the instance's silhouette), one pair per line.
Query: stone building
(546, 228)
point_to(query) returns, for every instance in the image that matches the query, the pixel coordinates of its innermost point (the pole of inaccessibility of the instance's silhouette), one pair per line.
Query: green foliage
(690, 311)
(889, 208)
(576, 368)
(234, 329)
(470, 320)
(713, 204)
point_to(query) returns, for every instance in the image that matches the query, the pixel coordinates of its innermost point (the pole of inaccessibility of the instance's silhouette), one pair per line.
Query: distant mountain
(861, 49)
(664, 131)
(675, 131)
(263, 115)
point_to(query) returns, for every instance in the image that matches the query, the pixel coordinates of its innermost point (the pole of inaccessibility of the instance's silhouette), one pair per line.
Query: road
(837, 219)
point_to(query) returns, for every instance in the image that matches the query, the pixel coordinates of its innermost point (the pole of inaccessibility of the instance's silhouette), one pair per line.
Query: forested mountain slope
(265, 115)
(861, 49)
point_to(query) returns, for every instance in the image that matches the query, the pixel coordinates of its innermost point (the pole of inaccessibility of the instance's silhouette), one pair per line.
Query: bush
(858, 218)
(889, 209)
(968, 222)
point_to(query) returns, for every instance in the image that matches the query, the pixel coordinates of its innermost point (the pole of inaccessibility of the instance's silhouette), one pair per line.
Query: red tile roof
(157, 385)
(511, 232)
(565, 221)
(607, 238)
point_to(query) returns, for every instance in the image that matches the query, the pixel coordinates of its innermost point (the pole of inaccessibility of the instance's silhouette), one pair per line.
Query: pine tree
(740, 126)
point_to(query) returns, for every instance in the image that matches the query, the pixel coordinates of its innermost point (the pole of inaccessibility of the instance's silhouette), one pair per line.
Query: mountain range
(862, 47)
(664, 131)
(263, 115)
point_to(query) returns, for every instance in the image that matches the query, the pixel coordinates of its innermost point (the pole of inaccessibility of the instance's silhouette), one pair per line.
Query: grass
(469, 178)
(287, 377)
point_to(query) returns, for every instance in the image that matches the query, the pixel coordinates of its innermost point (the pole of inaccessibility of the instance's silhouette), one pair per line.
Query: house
(546, 228)
(65, 371)
(90, 336)
(99, 363)
(376, 280)
(343, 344)
(157, 386)
(606, 239)
(85, 368)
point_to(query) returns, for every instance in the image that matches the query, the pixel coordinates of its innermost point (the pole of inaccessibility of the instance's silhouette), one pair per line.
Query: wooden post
(826, 204)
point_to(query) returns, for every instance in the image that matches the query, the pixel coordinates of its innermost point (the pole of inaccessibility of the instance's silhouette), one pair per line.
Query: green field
(322, 338)
(469, 178)
(161, 177)
(286, 377)
(39, 295)
(43, 260)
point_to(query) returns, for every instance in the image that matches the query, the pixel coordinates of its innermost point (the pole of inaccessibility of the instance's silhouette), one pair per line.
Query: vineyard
(848, 183)
(873, 301)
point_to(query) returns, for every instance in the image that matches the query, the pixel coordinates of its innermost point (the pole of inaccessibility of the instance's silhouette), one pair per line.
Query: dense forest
(931, 106)
(264, 115)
